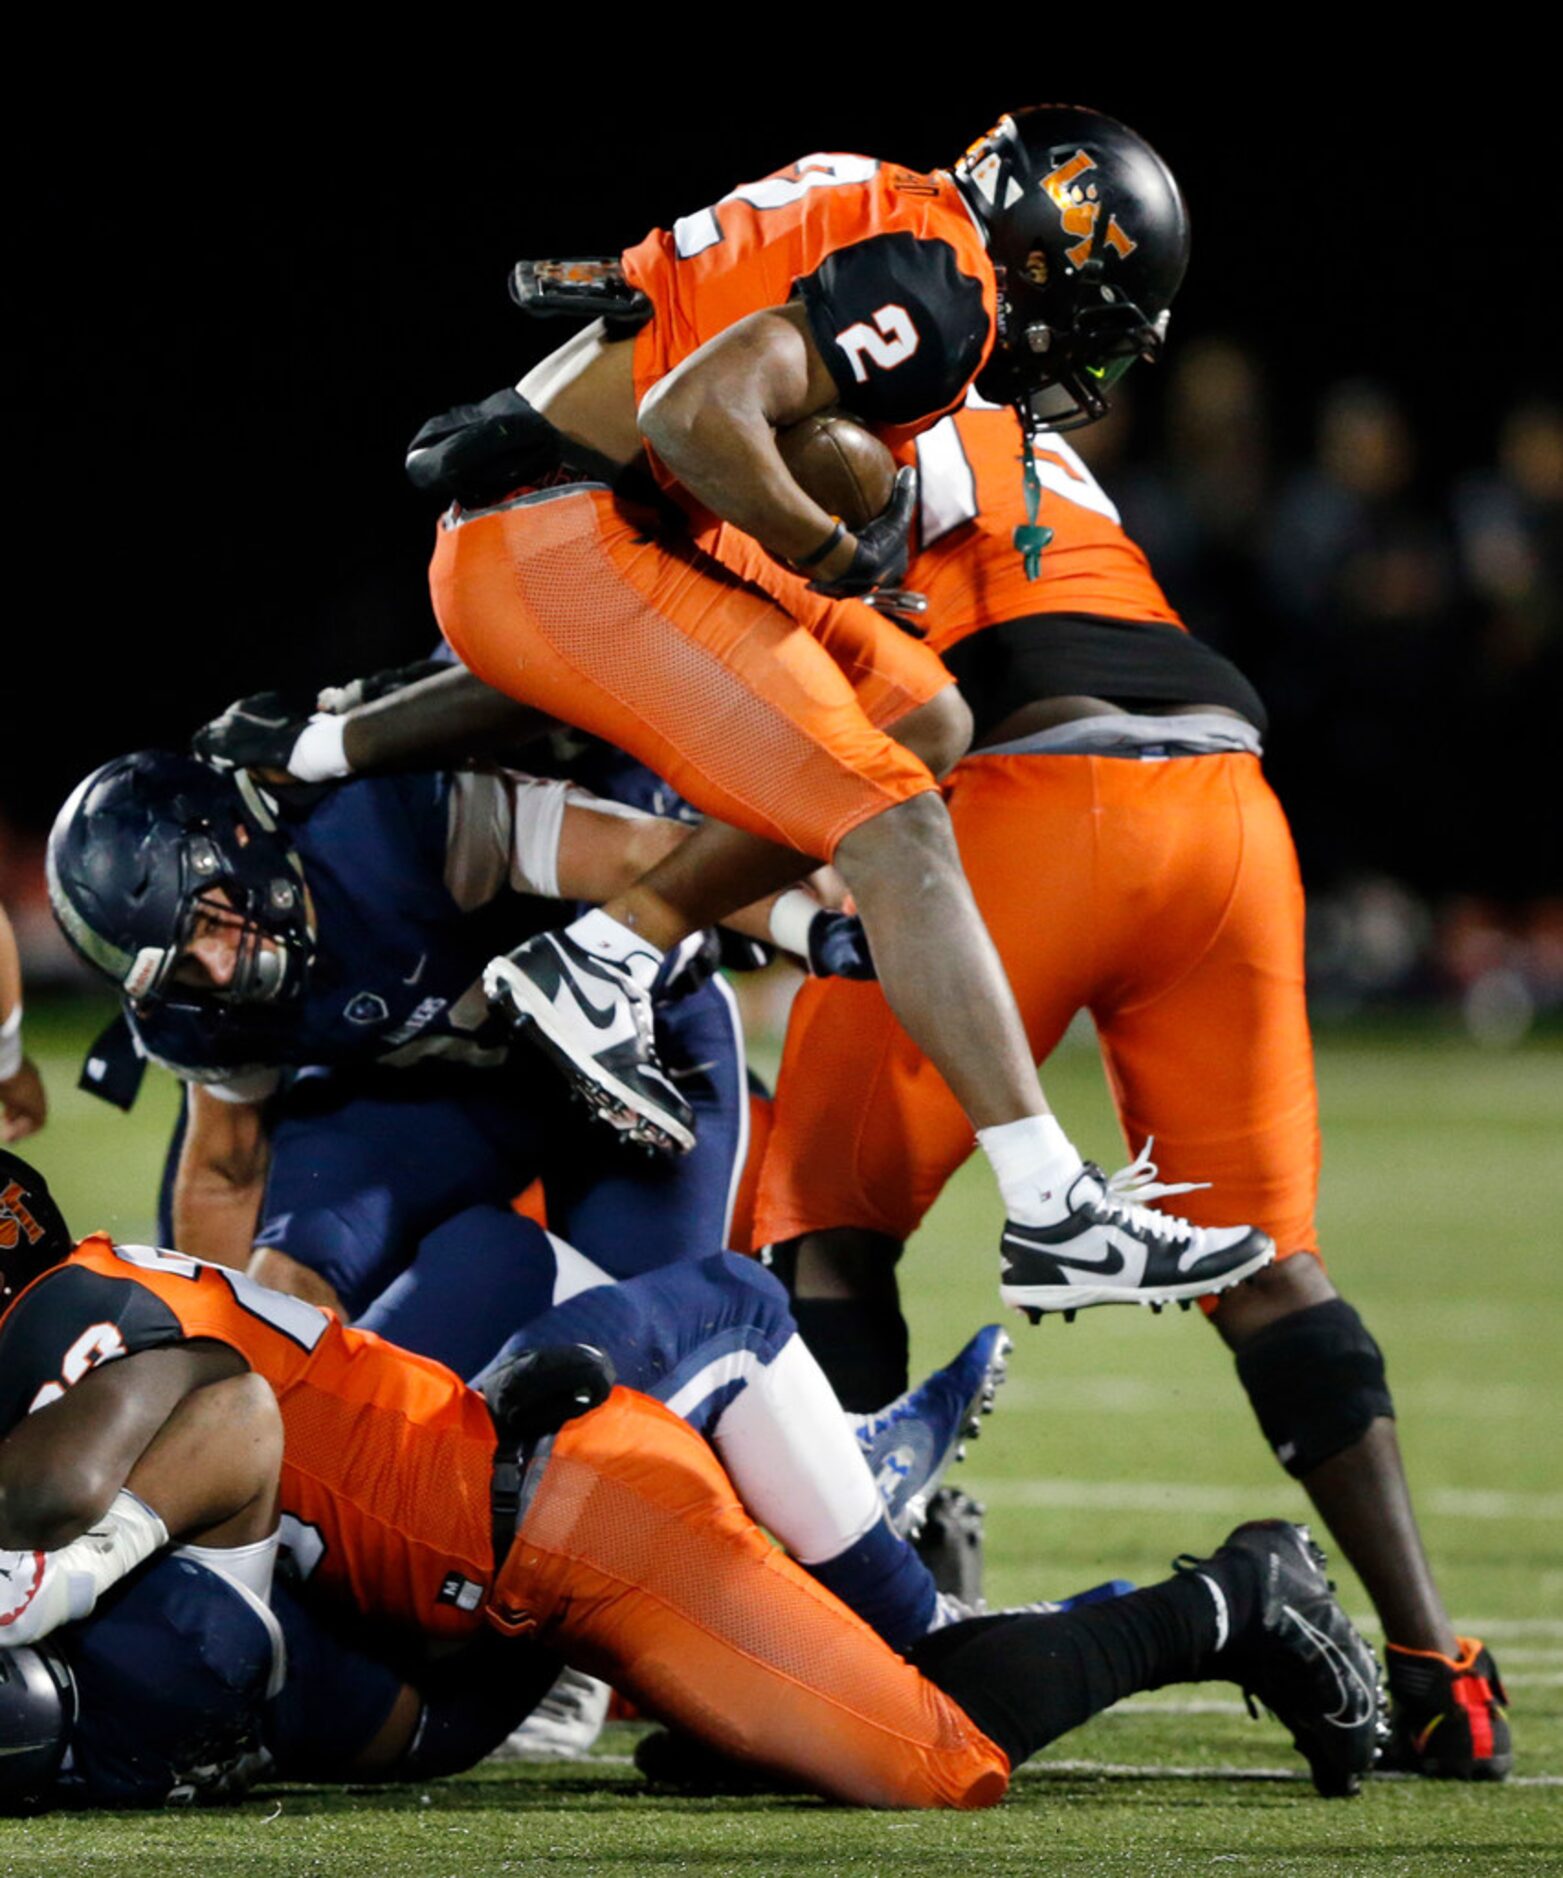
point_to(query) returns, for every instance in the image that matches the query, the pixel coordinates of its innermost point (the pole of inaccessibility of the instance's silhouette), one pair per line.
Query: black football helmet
(37, 1710)
(1090, 239)
(135, 848)
(33, 1234)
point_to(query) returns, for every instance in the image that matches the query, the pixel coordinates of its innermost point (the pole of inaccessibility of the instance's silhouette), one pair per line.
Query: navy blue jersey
(188, 1687)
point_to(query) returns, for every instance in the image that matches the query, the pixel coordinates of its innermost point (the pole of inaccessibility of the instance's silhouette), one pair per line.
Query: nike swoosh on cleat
(1356, 1699)
(596, 1015)
(1113, 1262)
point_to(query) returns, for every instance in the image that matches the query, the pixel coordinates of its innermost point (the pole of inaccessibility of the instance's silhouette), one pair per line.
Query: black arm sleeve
(900, 327)
(56, 1319)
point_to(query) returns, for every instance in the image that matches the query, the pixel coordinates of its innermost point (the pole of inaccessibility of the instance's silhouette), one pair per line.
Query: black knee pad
(860, 1342)
(1316, 1380)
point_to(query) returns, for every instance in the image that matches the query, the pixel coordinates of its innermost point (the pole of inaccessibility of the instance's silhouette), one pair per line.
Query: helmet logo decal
(16, 1220)
(1078, 210)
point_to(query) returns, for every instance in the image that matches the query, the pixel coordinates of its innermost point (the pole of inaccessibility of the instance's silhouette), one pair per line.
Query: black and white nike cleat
(595, 1022)
(1111, 1248)
(1302, 1657)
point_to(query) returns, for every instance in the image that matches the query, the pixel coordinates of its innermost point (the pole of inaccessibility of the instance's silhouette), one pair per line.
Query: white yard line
(1137, 1395)
(1128, 1770)
(1161, 1496)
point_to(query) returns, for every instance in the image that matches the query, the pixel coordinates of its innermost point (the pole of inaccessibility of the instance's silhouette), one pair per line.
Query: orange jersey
(888, 263)
(972, 502)
(387, 1461)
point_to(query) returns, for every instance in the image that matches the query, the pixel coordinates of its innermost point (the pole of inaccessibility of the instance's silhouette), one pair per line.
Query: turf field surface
(1120, 1441)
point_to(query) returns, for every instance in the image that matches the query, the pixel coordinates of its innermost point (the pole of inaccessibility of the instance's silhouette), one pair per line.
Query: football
(845, 468)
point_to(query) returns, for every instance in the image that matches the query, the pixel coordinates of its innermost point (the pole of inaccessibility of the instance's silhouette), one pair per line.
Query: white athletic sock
(248, 1565)
(794, 1459)
(1034, 1162)
(598, 933)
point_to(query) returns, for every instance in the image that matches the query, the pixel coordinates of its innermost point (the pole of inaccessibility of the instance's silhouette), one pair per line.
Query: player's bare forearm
(220, 1180)
(211, 1472)
(713, 421)
(216, 1221)
(447, 719)
(602, 857)
(61, 1467)
(10, 968)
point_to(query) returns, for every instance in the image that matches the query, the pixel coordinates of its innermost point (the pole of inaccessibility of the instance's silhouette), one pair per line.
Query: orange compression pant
(565, 599)
(1164, 898)
(640, 1565)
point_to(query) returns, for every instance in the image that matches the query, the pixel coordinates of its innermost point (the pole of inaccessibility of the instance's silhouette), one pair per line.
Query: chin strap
(1031, 537)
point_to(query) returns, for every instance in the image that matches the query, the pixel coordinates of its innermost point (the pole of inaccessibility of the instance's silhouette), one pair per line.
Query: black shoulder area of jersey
(900, 326)
(54, 1316)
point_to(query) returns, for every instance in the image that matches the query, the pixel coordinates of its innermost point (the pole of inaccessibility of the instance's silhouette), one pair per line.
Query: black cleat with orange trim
(1450, 1714)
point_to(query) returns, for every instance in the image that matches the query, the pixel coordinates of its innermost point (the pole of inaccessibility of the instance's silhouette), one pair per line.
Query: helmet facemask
(148, 851)
(1088, 236)
(1089, 239)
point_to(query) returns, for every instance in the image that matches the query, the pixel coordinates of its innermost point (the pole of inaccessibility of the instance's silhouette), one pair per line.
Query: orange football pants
(1164, 898)
(639, 1564)
(568, 600)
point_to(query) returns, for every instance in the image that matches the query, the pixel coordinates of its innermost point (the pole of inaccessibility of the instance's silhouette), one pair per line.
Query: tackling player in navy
(310, 968)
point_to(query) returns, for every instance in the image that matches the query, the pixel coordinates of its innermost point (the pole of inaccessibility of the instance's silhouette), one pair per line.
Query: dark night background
(226, 323)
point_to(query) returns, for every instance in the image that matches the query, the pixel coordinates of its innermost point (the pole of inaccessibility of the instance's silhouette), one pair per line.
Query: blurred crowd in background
(1402, 616)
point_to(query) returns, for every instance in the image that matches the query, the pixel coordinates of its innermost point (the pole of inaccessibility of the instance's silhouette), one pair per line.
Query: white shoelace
(1127, 1192)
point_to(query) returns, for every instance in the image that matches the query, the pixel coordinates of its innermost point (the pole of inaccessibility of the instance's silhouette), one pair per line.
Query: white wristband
(11, 1053)
(792, 914)
(319, 753)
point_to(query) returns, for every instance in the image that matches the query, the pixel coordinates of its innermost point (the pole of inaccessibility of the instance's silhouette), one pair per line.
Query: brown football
(845, 468)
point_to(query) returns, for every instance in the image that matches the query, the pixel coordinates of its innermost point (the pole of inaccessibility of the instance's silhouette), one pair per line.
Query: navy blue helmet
(37, 1707)
(1090, 239)
(148, 840)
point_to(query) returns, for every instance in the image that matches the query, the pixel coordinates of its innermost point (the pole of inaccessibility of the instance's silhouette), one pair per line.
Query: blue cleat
(910, 1443)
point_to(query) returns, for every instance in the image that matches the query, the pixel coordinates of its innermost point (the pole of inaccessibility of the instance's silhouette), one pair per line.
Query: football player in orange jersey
(1131, 860)
(570, 573)
(597, 1522)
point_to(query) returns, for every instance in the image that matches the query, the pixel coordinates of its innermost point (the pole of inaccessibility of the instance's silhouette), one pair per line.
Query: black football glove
(537, 1392)
(838, 947)
(882, 545)
(737, 952)
(257, 732)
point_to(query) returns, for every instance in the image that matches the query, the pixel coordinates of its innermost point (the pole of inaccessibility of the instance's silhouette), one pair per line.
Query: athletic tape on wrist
(12, 1056)
(319, 752)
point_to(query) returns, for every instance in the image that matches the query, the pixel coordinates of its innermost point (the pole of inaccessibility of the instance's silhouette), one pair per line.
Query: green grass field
(1120, 1440)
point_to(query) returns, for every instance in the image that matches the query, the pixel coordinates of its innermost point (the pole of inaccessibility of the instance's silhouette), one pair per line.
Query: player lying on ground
(614, 1536)
(203, 1658)
(1130, 859)
(184, 1686)
(570, 573)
